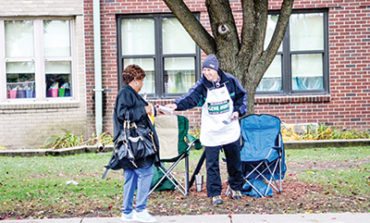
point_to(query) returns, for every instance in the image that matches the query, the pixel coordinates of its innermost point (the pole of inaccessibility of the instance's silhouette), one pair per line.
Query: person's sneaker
(234, 194)
(144, 216)
(128, 217)
(217, 200)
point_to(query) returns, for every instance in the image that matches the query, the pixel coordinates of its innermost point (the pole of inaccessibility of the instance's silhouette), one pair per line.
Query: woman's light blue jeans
(140, 180)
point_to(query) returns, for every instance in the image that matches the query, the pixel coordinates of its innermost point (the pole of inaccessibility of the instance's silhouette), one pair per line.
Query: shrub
(103, 139)
(323, 132)
(68, 139)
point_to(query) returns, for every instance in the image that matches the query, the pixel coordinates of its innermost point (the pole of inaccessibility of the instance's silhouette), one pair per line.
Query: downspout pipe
(97, 69)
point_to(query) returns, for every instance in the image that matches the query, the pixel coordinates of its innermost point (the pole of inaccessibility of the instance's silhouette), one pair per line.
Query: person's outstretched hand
(149, 109)
(167, 109)
(171, 106)
(234, 116)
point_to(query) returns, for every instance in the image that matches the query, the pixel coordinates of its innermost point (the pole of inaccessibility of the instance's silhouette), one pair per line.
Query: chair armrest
(192, 141)
(279, 146)
(276, 147)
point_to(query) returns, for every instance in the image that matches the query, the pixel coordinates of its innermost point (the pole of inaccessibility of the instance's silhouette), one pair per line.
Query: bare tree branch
(247, 30)
(269, 54)
(261, 8)
(224, 31)
(195, 29)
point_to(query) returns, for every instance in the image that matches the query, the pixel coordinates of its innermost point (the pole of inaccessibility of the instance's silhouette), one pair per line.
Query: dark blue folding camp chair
(262, 154)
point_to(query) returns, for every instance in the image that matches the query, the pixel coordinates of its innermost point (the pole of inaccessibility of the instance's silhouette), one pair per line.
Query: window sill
(24, 105)
(292, 99)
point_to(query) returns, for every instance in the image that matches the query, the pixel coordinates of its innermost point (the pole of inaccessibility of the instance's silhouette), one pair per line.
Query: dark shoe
(217, 200)
(234, 194)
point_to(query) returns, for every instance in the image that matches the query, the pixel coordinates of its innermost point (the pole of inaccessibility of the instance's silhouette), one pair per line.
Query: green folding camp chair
(175, 145)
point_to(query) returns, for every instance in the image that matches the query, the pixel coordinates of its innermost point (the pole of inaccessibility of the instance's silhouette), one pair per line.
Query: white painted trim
(3, 92)
(74, 60)
(39, 53)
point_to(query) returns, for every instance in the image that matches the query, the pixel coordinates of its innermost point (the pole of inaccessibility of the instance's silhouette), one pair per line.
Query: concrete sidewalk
(243, 218)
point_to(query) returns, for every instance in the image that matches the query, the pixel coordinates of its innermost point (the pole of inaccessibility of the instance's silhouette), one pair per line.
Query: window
(36, 59)
(162, 47)
(301, 64)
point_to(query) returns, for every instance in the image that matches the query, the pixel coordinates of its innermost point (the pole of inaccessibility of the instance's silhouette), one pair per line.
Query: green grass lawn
(31, 184)
(328, 154)
(342, 170)
(43, 180)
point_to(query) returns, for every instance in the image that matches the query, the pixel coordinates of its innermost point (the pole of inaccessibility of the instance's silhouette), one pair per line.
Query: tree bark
(224, 32)
(192, 25)
(251, 101)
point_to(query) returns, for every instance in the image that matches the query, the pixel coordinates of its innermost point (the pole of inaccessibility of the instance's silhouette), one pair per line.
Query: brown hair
(132, 72)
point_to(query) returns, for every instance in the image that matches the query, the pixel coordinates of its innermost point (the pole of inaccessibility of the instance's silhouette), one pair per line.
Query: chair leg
(172, 178)
(271, 169)
(272, 173)
(159, 181)
(197, 168)
(280, 177)
(184, 189)
(255, 168)
(186, 175)
(167, 173)
(253, 187)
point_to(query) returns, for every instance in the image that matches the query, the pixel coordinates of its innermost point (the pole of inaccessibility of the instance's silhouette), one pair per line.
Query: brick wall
(347, 105)
(40, 7)
(30, 127)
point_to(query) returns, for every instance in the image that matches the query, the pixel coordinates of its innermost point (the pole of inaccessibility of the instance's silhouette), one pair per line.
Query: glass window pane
(148, 67)
(175, 38)
(307, 31)
(307, 72)
(19, 38)
(271, 24)
(138, 37)
(271, 80)
(58, 79)
(57, 41)
(20, 77)
(179, 74)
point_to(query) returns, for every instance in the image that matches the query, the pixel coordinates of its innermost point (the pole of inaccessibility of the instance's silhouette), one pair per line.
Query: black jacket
(128, 101)
(198, 93)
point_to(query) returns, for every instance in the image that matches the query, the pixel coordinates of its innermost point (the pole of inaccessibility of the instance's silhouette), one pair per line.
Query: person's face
(139, 84)
(210, 74)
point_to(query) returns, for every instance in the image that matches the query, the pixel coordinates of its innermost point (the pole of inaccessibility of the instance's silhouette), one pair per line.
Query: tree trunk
(251, 92)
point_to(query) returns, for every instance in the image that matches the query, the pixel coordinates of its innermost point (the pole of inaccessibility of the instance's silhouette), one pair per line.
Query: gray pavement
(241, 218)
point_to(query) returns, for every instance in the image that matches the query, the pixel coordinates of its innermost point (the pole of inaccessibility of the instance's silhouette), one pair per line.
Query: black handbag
(134, 142)
(140, 141)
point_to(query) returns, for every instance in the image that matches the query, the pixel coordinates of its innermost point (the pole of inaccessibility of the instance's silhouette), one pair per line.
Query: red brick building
(321, 73)
(341, 53)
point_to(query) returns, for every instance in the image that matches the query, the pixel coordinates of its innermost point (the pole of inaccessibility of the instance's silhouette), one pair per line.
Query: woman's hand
(167, 109)
(171, 106)
(149, 109)
(234, 116)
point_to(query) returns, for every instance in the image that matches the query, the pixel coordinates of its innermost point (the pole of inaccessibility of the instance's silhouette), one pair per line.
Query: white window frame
(40, 61)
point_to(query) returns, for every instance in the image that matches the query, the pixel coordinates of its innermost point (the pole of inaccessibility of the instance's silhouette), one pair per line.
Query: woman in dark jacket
(130, 105)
